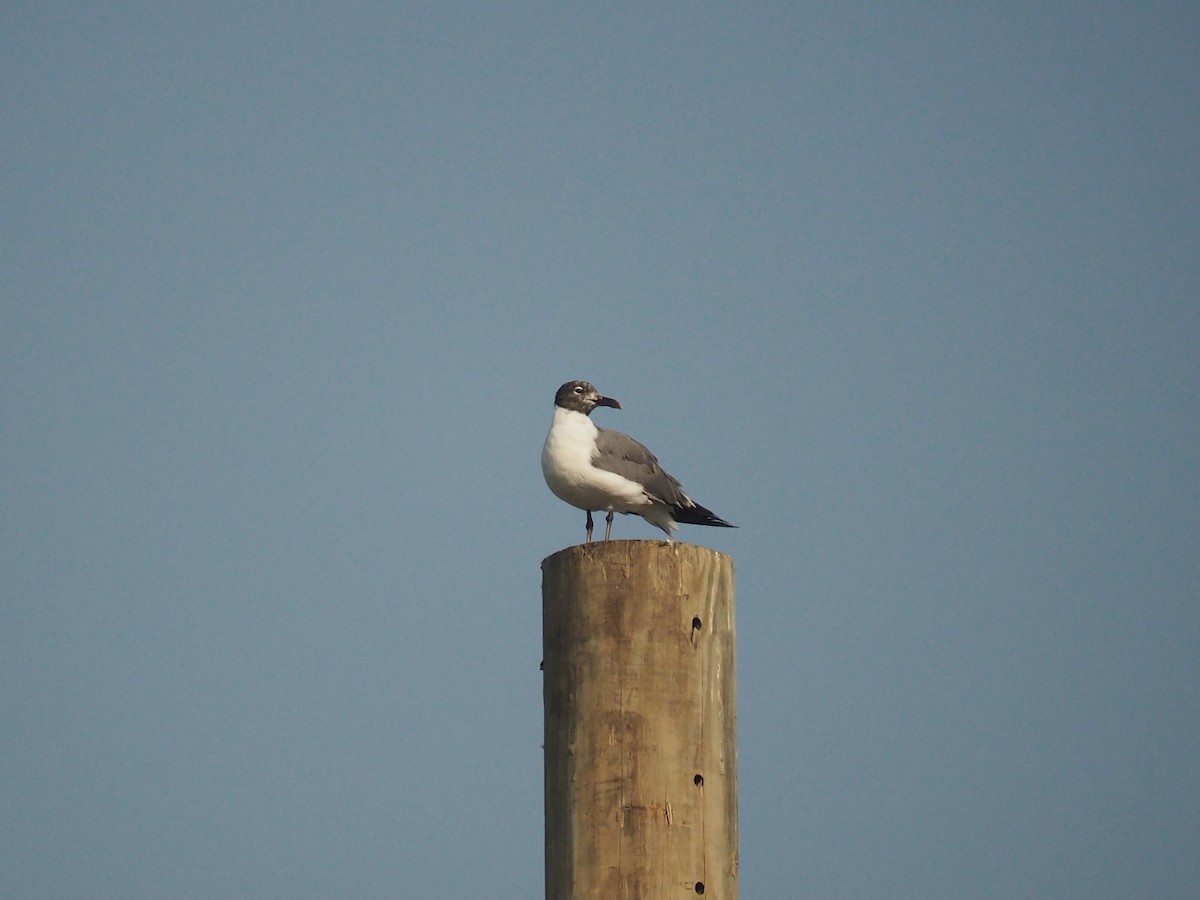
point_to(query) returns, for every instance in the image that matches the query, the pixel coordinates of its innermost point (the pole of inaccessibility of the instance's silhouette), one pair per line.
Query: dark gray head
(582, 397)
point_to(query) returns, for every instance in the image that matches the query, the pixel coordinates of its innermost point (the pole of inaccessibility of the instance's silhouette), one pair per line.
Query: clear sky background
(909, 291)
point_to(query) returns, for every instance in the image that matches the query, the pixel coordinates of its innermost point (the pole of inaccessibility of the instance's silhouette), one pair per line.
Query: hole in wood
(698, 781)
(699, 887)
(696, 623)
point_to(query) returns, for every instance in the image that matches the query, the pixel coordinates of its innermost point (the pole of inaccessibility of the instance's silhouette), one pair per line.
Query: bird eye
(578, 389)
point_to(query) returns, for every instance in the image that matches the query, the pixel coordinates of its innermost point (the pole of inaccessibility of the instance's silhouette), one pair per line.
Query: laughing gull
(596, 468)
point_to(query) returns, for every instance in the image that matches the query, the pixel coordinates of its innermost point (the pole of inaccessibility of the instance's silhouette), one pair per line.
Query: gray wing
(622, 455)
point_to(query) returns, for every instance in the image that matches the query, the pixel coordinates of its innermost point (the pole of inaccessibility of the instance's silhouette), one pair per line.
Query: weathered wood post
(640, 740)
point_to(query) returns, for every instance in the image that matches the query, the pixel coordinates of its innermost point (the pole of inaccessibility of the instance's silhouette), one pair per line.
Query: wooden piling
(640, 722)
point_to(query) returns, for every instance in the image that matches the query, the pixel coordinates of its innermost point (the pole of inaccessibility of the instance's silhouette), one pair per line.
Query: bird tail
(695, 514)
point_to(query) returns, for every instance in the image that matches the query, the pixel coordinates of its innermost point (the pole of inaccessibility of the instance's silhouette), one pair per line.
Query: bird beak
(607, 401)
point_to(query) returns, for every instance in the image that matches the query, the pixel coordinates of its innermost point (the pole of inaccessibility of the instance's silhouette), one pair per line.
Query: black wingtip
(698, 515)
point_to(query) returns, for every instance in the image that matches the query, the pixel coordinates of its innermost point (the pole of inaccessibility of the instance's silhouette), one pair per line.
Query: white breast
(567, 467)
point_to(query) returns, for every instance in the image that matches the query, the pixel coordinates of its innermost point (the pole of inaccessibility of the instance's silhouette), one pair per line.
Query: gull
(599, 469)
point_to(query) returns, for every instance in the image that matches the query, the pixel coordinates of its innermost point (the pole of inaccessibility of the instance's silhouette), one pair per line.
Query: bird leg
(589, 526)
(608, 524)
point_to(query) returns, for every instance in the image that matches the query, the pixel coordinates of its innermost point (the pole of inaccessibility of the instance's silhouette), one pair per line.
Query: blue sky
(907, 291)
